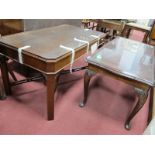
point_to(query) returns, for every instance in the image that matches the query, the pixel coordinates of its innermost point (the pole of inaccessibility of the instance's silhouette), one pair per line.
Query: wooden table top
(45, 43)
(127, 58)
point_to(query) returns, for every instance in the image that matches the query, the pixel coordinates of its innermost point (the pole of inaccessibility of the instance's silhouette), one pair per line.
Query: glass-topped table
(127, 60)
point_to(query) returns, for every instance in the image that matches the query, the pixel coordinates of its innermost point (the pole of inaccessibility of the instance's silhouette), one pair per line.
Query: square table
(42, 50)
(126, 60)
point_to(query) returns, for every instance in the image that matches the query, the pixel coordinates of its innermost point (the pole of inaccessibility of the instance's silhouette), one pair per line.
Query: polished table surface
(45, 42)
(129, 58)
(45, 46)
(126, 60)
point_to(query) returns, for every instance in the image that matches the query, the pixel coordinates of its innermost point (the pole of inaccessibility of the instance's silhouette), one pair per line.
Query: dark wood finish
(117, 76)
(152, 105)
(150, 114)
(85, 23)
(142, 96)
(111, 24)
(11, 26)
(39, 55)
(5, 68)
(49, 66)
(152, 42)
(51, 84)
(140, 75)
(5, 75)
(87, 78)
(2, 92)
(112, 28)
(35, 78)
(152, 34)
(116, 26)
(7, 27)
(151, 39)
(45, 54)
(11, 72)
(42, 64)
(134, 26)
(90, 23)
(126, 57)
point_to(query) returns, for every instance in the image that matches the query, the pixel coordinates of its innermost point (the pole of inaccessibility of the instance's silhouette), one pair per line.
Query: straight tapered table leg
(50, 83)
(153, 103)
(151, 111)
(5, 75)
(2, 92)
(87, 78)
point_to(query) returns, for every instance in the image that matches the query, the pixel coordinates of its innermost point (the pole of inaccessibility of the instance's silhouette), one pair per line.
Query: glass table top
(127, 57)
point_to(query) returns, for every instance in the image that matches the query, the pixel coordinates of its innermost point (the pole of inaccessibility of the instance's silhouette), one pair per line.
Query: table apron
(45, 66)
(127, 80)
